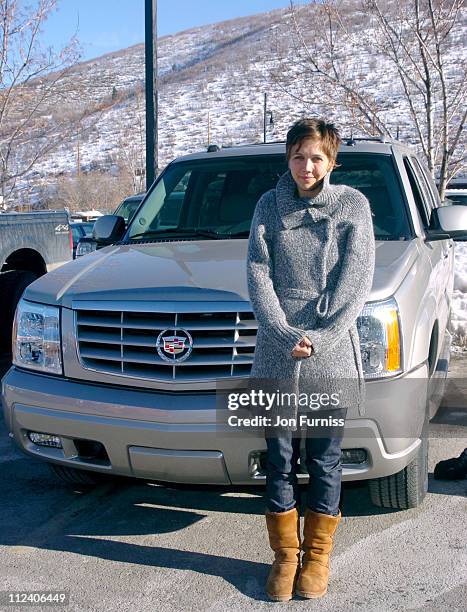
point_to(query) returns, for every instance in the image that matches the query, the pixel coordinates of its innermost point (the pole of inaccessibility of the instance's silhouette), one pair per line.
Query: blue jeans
(323, 463)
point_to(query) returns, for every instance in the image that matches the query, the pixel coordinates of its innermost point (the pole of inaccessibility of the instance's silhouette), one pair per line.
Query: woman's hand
(303, 348)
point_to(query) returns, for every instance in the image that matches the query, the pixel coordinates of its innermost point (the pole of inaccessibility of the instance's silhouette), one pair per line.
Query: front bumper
(174, 437)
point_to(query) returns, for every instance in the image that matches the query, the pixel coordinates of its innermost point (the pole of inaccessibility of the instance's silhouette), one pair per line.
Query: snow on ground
(459, 300)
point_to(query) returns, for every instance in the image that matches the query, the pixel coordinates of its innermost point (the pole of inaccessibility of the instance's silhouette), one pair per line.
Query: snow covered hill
(222, 70)
(213, 75)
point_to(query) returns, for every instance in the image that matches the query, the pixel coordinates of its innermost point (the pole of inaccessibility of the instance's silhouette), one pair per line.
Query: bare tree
(92, 190)
(414, 37)
(29, 76)
(131, 158)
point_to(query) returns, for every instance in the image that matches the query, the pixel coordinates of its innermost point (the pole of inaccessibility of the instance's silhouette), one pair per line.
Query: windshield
(76, 233)
(87, 228)
(216, 198)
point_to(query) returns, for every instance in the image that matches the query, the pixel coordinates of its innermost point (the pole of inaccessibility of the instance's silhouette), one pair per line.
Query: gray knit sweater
(310, 268)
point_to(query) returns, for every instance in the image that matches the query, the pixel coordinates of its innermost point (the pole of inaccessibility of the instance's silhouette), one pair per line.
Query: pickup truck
(120, 373)
(31, 244)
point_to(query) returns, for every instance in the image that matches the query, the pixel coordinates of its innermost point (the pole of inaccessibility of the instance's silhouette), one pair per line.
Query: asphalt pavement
(136, 545)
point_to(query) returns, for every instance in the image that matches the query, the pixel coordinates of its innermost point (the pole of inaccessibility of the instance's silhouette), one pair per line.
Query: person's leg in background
(322, 514)
(282, 514)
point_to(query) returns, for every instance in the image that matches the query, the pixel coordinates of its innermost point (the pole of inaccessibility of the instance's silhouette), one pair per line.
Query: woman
(310, 269)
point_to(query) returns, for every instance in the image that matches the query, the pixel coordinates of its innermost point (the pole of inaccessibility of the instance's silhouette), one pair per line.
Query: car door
(447, 246)
(439, 252)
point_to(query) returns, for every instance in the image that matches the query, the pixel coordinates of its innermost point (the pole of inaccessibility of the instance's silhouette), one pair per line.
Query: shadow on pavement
(43, 513)
(447, 487)
(38, 511)
(453, 408)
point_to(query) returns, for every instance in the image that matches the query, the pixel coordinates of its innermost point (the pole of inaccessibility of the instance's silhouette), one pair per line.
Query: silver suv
(117, 355)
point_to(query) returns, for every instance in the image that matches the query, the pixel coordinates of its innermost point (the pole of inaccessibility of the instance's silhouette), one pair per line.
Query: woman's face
(308, 164)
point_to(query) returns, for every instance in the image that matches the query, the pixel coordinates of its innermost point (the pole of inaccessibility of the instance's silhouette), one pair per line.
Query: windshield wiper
(179, 232)
(242, 234)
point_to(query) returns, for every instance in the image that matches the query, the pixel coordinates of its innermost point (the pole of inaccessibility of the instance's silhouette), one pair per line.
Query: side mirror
(448, 222)
(108, 229)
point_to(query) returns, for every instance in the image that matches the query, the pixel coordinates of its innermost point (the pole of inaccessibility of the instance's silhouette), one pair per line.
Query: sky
(103, 26)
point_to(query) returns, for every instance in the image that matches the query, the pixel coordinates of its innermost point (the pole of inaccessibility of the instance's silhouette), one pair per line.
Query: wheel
(78, 477)
(12, 285)
(407, 488)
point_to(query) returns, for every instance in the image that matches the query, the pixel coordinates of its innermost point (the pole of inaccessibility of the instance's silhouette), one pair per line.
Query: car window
(220, 195)
(375, 176)
(127, 209)
(420, 201)
(456, 198)
(429, 191)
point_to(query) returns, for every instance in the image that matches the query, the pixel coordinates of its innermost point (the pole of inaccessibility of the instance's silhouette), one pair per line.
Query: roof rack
(212, 148)
(254, 144)
(352, 139)
(349, 141)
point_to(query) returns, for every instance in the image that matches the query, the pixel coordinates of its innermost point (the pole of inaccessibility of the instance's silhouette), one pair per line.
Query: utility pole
(150, 46)
(78, 161)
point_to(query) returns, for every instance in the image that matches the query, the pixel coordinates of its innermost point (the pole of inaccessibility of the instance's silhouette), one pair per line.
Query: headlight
(36, 337)
(85, 246)
(380, 339)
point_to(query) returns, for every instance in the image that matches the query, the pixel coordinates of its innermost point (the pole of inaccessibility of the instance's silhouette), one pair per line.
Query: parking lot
(147, 546)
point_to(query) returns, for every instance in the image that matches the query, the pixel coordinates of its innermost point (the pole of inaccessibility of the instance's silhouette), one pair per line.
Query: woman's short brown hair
(317, 129)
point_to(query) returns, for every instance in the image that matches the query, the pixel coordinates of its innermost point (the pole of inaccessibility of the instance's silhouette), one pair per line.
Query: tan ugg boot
(284, 539)
(317, 544)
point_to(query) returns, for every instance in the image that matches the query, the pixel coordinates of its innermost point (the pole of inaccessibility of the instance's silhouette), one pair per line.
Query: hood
(188, 270)
(184, 271)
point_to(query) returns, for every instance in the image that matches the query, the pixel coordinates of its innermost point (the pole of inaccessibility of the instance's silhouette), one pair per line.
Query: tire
(12, 285)
(405, 489)
(78, 477)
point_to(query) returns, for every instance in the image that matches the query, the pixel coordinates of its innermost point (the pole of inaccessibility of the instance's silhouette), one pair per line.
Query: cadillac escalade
(116, 355)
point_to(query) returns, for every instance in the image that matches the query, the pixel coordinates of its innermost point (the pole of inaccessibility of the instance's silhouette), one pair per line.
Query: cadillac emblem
(174, 345)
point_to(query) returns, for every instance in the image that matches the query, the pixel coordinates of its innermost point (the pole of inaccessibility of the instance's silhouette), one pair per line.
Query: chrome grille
(124, 343)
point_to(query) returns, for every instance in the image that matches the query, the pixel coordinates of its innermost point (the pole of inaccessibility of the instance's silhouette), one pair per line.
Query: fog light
(42, 439)
(353, 455)
(257, 464)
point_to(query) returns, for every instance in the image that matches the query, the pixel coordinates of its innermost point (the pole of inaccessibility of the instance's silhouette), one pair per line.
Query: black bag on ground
(452, 469)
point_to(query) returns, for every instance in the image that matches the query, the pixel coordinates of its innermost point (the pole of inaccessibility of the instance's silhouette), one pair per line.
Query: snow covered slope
(216, 75)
